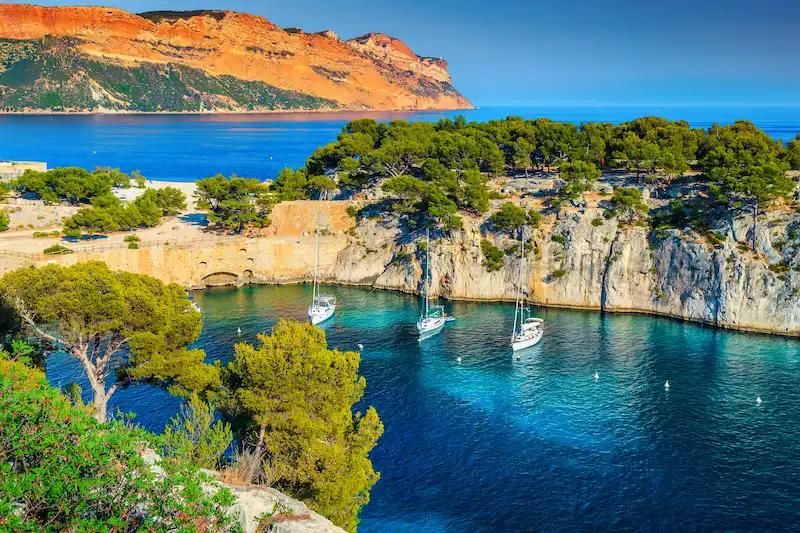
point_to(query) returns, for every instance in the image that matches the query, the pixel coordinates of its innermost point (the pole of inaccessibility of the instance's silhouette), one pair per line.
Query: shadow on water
(492, 443)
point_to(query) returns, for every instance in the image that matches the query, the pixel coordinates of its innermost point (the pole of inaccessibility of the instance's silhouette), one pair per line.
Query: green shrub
(57, 249)
(133, 246)
(534, 218)
(509, 217)
(560, 239)
(401, 255)
(40, 234)
(5, 220)
(560, 273)
(62, 471)
(352, 210)
(597, 222)
(193, 438)
(132, 238)
(453, 222)
(494, 256)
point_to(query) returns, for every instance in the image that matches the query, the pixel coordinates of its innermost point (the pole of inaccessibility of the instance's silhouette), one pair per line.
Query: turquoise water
(498, 444)
(189, 147)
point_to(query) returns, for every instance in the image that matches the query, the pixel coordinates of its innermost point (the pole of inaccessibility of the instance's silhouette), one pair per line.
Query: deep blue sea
(189, 147)
(493, 444)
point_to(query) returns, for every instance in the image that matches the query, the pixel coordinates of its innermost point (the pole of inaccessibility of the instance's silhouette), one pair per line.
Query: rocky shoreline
(590, 266)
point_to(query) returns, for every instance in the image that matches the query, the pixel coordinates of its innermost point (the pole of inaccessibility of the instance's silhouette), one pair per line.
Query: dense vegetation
(433, 172)
(62, 471)
(299, 397)
(119, 323)
(72, 184)
(109, 214)
(289, 400)
(234, 203)
(51, 73)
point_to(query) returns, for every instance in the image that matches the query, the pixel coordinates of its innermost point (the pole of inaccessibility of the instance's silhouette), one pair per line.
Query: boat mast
(427, 271)
(316, 266)
(519, 303)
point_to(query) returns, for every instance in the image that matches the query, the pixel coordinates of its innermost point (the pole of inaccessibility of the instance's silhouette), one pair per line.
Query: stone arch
(220, 278)
(247, 276)
(250, 261)
(243, 251)
(203, 264)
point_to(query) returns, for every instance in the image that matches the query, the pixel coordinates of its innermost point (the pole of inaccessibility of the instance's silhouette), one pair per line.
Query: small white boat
(530, 329)
(194, 304)
(433, 317)
(530, 333)
(322, 305)
(322, 308)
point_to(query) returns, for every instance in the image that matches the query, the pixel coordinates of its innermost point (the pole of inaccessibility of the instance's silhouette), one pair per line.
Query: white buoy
(596, 375)
(239, 331)
(458, 359)
(519, 358)
(360, 346)
(758, 400)
(666, 385)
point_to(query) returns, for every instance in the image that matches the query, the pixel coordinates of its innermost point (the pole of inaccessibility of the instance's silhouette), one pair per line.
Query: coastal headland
(106, 60)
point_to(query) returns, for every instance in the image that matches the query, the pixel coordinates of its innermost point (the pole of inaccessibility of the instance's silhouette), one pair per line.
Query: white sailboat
(433, 317)
(530, 328)
(322, 305)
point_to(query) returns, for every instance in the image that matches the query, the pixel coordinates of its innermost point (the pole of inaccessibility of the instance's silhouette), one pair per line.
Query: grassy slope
(52, 74)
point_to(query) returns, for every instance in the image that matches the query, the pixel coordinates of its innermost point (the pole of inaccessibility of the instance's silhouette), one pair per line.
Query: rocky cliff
(106, 59)
(259, 508)
(590, 265)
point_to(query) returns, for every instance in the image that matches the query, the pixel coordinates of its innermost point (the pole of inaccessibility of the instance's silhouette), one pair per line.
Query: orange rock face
(370, 72)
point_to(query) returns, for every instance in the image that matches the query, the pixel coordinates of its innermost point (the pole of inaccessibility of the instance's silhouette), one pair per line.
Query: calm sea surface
(496, 444)
(491, 443)
(189, 147)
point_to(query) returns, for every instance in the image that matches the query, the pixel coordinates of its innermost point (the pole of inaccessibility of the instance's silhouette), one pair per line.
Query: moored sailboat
(322, 305)
(530, 328)
(433, 317)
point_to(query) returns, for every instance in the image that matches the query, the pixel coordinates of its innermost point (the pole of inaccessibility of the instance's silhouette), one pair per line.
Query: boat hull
(318, 315)
(526, 343)
(425, 330)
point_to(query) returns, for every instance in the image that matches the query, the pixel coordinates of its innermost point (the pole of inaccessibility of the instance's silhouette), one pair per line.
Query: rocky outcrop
(204, 60)
(258, 505)
(579, 260)
(396, 54)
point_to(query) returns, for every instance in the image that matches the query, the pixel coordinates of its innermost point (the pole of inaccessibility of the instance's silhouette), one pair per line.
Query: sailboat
(322, 305)
(530, 329)
(433, 318)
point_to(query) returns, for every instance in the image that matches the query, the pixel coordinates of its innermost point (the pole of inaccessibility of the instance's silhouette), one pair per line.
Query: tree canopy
(234, 203)
(113, 322)
(108, 213)
(300, 397)
(72, 184)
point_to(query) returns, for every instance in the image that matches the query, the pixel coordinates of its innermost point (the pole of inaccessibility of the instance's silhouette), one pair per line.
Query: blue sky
(569, 52)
